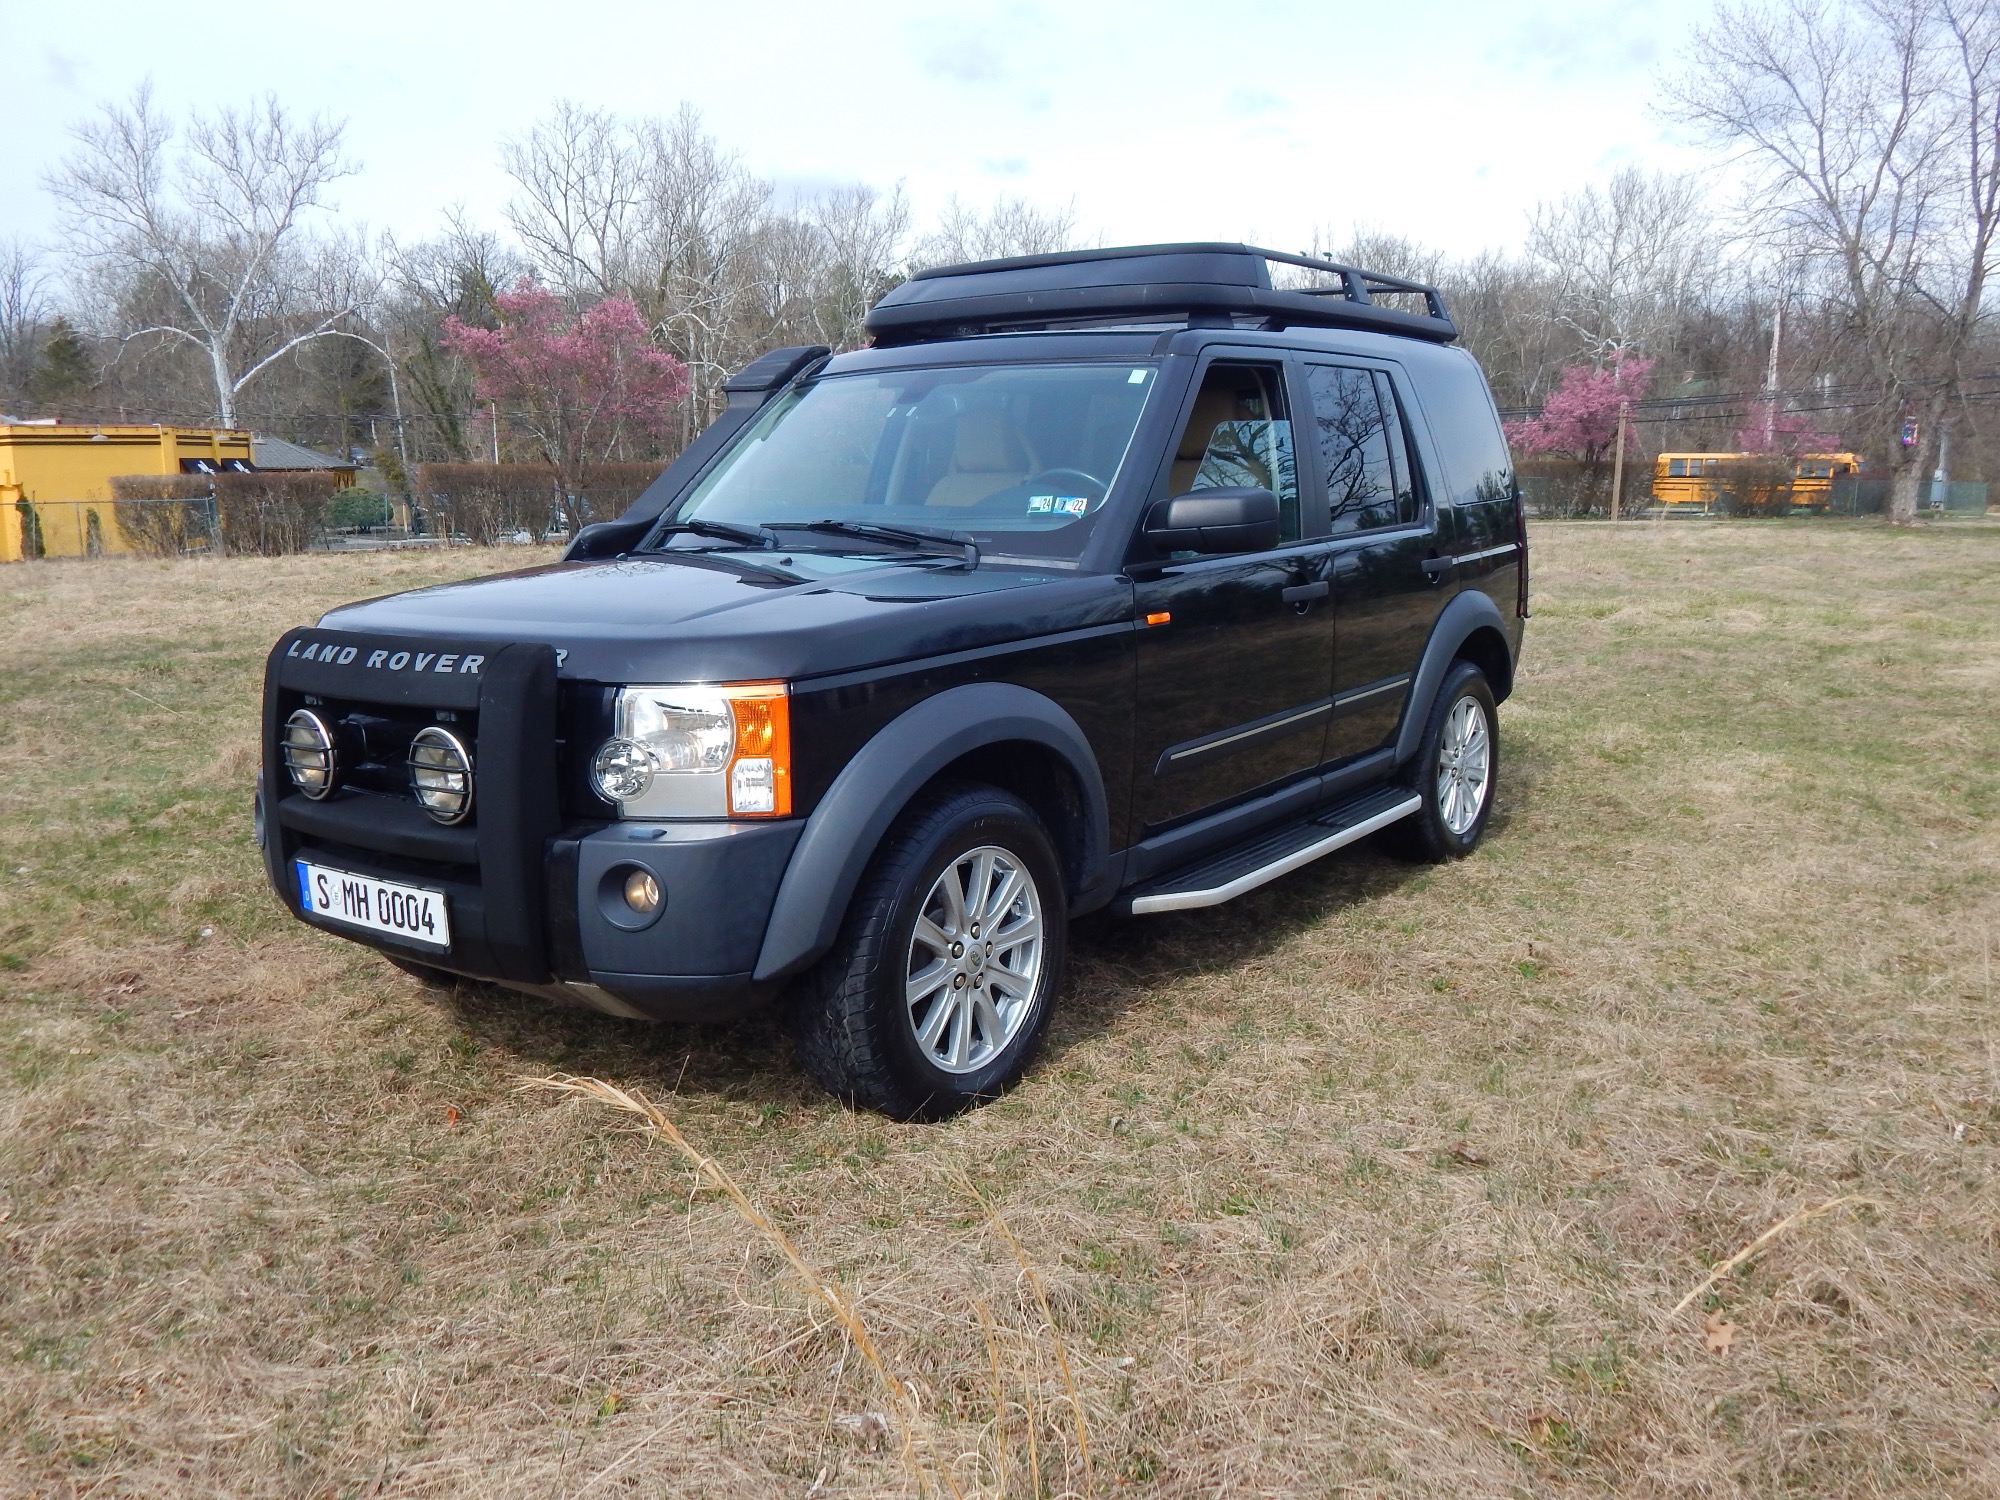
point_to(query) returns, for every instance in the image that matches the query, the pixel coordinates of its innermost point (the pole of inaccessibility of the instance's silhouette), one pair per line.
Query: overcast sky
(1238, 119)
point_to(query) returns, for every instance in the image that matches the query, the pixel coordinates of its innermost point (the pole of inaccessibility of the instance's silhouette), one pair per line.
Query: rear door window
(1363, 451)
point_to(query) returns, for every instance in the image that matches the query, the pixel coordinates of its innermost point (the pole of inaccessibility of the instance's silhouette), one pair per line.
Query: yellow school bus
(1692, 482)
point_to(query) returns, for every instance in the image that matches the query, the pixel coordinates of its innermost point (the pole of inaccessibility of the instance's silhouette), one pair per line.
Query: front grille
(383, 737)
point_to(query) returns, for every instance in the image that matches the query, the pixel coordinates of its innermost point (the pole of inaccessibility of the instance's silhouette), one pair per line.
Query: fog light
(642, 893)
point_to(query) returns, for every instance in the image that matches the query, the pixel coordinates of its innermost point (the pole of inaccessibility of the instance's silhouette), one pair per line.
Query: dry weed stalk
(1722, 1271)
(1000, 1409)
(1055, 1335)
(836, 1300)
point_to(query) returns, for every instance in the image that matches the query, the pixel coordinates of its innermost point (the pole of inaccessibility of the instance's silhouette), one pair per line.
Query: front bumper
(691, 961)
(534, 905)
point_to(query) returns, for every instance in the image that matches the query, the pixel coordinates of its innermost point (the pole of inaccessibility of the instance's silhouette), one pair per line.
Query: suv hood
(718, 617)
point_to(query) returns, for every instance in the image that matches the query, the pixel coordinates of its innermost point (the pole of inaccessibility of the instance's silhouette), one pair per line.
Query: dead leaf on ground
(1717, 1334)
(450, 1115)
(1463, 1152)
(867, 1428)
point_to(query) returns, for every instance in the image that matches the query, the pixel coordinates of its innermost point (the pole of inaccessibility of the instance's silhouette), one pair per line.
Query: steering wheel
(1090, 481)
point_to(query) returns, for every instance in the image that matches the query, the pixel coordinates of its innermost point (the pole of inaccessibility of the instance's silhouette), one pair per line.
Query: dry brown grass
(1377, 1182)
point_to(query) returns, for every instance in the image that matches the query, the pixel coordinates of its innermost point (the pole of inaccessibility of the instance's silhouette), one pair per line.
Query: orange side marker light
(1162, 618)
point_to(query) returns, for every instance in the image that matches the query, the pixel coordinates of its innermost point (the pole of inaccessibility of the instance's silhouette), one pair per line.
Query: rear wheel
(1456, 766)
(937, 992)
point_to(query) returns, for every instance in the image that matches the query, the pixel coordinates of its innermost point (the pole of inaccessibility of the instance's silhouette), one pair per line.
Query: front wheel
(937, 992)
(1457, 764)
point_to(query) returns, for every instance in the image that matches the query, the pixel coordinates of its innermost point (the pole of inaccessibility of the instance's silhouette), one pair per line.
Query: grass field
(1380, 1181)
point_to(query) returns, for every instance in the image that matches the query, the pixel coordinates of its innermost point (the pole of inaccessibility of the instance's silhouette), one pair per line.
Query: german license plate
(408, 912)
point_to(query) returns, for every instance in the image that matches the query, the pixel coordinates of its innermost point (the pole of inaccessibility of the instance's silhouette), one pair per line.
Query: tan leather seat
(988, 455)
(1218, 403)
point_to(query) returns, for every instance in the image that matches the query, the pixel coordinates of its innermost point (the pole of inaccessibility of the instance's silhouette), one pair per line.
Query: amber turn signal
(760, 769)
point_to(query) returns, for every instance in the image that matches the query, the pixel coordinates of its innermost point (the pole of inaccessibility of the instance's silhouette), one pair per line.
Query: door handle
(1305, 593)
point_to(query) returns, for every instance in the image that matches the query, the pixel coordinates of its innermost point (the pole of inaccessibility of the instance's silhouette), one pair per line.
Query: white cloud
(1160, 119)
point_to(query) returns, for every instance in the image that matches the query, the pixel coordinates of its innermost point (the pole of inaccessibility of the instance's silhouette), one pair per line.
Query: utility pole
(1618, 459)
(1771, 376)
(494, 407)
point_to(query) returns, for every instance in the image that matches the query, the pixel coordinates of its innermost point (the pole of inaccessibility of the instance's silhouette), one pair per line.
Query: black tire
(1426, 834)
(855, 1024)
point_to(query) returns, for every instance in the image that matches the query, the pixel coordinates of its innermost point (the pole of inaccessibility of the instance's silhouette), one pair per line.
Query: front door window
(1236, 436)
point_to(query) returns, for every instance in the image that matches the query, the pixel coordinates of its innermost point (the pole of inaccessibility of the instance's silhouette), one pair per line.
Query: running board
(1225, 876)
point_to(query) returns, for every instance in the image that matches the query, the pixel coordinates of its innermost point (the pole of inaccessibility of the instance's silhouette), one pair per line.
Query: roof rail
(1205, 284)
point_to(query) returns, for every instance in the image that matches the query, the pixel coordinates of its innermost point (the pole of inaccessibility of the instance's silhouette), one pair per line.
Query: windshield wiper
(897, 536)
(726, 531)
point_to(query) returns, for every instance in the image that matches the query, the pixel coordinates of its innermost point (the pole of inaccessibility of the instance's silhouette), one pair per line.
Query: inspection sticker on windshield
(408, 912)
(1067, 505)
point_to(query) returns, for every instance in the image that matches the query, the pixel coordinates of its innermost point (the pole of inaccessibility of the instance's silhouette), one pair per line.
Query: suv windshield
(1019, 456)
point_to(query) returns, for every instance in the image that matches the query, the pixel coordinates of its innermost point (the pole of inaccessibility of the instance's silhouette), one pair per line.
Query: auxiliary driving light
(307, 746)
(441, 773)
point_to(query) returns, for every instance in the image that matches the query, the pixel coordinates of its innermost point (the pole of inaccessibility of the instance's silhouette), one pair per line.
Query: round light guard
(622, 770)
(441, 773)
(307, 746)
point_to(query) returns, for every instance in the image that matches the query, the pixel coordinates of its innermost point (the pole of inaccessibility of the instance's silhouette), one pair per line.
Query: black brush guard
(492, 869)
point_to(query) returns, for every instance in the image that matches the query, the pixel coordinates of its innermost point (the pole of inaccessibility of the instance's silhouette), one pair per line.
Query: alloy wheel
(1464, 770)
(975, 959)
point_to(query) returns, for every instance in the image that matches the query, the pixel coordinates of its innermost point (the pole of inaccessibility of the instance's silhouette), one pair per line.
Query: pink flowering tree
(1580, 420)
(580, 383)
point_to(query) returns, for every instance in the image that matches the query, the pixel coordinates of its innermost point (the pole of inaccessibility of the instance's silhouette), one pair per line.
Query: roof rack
(1207, 285)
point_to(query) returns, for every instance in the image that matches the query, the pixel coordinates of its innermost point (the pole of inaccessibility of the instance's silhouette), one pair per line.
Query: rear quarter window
(1478, 476)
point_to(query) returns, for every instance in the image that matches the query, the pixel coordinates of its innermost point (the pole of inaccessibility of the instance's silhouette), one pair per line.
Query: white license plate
(408, 912)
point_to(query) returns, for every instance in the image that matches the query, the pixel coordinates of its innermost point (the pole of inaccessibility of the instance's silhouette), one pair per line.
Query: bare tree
(704, 211)
(218, 230)
(1871, 137)
(1012, 226)
(861, 234)
(578, 209)
(24, 310)
(458, 274)
(1626, 263)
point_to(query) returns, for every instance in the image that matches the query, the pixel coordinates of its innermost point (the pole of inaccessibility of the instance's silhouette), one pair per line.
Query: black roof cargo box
(1219, 284)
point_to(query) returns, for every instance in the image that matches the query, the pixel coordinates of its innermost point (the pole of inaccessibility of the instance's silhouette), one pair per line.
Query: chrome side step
(1224, 877)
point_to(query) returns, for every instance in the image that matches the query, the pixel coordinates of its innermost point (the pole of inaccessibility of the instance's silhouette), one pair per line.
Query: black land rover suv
(1123, 578)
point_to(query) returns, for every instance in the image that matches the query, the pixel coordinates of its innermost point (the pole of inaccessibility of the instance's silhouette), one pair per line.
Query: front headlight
(698, 752)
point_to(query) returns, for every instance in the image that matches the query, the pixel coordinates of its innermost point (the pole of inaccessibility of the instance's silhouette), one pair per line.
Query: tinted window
(1363, 456)
(1408, 501)
(1462, 423)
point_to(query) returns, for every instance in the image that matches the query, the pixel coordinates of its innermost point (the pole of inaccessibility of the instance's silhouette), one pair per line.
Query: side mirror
(1215, 521)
